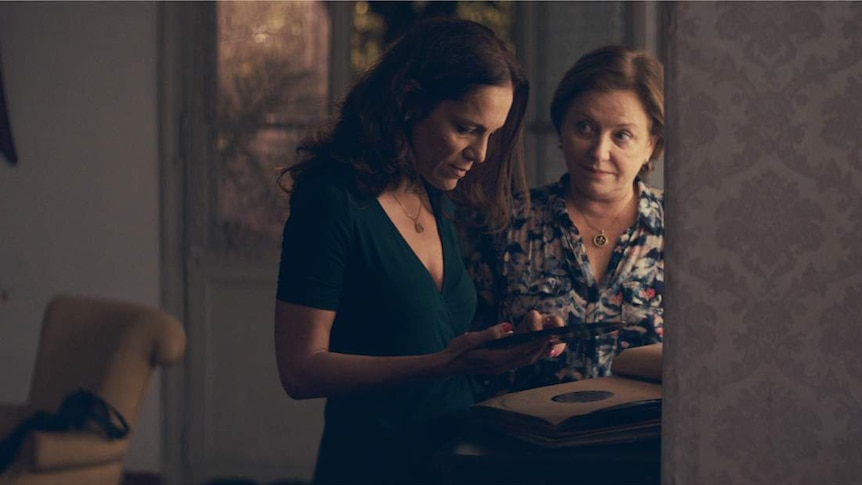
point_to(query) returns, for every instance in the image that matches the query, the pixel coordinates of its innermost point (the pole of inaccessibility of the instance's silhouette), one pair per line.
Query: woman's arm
(309, 370)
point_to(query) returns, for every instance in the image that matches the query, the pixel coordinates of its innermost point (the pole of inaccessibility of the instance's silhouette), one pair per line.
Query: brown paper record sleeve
(607, 409)
(538, 405)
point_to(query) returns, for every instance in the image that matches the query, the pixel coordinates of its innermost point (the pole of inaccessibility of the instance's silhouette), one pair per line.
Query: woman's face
(454, 136)
(606, 140)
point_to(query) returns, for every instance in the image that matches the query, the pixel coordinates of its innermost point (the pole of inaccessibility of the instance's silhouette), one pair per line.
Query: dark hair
(613, 68)
(437, 60)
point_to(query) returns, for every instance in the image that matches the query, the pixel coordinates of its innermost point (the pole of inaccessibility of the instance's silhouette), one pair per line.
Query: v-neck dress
(341, 252)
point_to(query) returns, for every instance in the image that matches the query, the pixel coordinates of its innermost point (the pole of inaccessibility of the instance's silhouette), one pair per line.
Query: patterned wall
(764, 228)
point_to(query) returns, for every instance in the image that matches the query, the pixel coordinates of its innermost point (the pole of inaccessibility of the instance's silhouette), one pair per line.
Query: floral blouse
(539, 262)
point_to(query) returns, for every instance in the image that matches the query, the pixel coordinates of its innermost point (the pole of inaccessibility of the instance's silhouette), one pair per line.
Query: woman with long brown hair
(374, 303)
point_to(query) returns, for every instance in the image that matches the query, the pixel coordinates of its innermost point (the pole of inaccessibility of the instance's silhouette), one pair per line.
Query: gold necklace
(416, 224)
(600, 240)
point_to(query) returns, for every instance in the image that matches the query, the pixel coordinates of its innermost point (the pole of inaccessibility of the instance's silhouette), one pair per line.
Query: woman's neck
(604, 209)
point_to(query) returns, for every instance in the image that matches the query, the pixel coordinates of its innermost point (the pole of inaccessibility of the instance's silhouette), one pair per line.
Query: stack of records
(618, 409)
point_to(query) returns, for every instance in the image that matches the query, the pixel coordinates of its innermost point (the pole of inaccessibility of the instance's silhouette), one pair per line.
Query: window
(376, 24)
(273, 76)
(272, 87)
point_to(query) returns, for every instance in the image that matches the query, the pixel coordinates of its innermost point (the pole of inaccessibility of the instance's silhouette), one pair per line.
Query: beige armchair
(108, 347)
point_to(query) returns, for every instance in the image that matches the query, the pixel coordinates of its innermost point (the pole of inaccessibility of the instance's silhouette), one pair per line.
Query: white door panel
(244, 424)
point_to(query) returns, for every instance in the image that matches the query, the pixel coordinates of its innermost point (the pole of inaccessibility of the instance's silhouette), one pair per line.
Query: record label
(583, 396)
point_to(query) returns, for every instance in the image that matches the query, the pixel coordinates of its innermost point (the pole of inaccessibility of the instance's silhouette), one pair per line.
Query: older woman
(373, 300)
(589, 247)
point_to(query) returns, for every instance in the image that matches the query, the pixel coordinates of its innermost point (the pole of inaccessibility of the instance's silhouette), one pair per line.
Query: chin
(446, 185)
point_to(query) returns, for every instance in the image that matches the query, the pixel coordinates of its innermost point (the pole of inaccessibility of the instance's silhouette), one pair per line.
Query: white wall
(80, 211)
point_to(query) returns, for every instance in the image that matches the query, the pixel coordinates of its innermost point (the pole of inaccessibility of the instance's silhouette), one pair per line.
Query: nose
(476, 151)
(601, 148)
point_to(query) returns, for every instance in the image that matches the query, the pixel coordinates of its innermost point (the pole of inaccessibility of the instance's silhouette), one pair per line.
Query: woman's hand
(534, 320)
(308, 369)
(467, 354)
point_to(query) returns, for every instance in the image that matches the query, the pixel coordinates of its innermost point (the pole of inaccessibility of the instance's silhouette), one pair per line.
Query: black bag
(81, 410)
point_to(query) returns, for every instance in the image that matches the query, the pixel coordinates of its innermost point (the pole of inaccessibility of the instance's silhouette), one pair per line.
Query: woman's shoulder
(652, 205)
(331, 189)
(541, 200)
(541, 194)
(652, 193)
(653, 196)
(534, 213)
(320, 179)
(537, 195)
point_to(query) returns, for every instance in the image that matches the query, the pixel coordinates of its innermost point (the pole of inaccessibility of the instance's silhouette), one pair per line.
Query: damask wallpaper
(763, 334)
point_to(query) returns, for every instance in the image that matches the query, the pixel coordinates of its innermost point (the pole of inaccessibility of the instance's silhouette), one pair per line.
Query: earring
(645, 169)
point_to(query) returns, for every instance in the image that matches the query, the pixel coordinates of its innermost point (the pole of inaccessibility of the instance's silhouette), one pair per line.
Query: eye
(463, 130)
(623, 136)
(583, 127)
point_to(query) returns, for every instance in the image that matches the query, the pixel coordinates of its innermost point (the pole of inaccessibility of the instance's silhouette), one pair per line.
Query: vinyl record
(558, 403)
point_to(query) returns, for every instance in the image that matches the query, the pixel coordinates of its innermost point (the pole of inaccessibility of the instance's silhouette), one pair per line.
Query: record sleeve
(620, 408)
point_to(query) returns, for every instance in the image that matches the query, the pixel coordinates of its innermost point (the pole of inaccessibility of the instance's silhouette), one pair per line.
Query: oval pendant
(419, 227)
(599, 240)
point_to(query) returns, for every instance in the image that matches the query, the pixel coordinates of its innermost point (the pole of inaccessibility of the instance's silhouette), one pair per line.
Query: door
(247, 80)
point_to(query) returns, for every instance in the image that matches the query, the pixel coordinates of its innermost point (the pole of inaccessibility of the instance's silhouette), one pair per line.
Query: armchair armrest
(44, 451)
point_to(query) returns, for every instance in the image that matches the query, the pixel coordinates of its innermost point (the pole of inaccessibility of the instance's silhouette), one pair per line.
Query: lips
(458, 172)
(595, 171)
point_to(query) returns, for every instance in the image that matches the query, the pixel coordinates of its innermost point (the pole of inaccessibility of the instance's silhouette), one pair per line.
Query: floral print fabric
(539, 262)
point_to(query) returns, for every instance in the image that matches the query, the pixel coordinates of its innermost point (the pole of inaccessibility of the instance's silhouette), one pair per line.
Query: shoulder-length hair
(437, 60)
(616, 68)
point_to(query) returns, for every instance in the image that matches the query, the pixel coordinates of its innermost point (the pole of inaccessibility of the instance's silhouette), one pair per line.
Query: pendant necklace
(417, 226)
(600, 240)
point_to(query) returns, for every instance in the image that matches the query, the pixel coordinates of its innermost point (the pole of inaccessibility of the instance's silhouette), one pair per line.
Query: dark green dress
(341, 252)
